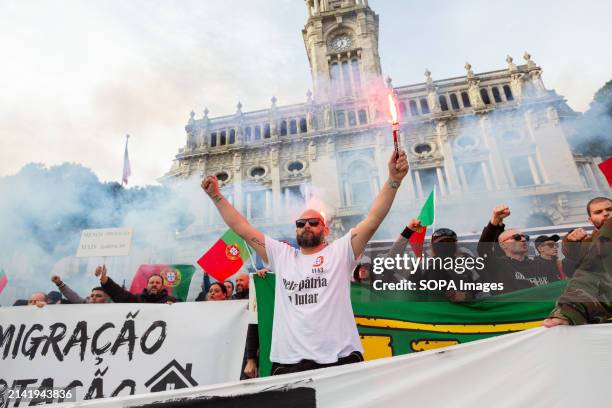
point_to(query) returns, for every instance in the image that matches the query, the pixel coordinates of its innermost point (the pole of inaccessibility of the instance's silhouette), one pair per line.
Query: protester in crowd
(546, 261)
(203, 295)
(229, 288)
(38, 299)
(242, 286)
(314, 324)
(97, 294)
(153, 293)
(588, 295)
(217, 291)
(576, 243)
(251, 363)
(21, 302)
(55, 298)
(505, 253)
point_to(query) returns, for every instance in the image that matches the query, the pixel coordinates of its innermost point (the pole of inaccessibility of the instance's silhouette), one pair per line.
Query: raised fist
(415, 225)
(398, 168)
(101, 273)
(210, 185)
(262, 272)
(577, 235)
(56, 279)
(499, 213)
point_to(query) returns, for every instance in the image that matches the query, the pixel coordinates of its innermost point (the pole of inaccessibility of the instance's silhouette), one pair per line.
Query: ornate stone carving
(511, 65)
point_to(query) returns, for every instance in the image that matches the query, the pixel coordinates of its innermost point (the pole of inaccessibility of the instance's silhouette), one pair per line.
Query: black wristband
(407, 232)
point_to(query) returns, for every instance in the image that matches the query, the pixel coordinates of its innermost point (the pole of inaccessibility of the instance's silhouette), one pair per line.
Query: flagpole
(250, 256)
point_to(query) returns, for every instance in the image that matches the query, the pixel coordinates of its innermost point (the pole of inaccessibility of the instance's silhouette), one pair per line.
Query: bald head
(311, 231)
(37, 297)
(242, 282)
(310, 213)
(514, 244)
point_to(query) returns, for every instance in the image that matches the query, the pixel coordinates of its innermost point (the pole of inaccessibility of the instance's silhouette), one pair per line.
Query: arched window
(414, 111)
(346, 76)
(465, 99)
(484, 94)
(443, 103)
(496, 96)
(303, 125)
(283, 128)
(293, 126)
(223, 138)
(247, 133)
(402, 108)
(424, 106)
(363, 117)
(356, 74)
(340, 119)
(352, 119)
(267, 131)
(213, 139)
(360, 186)
(232, 136)
(508, 93)
(454, 101)
(257, 132)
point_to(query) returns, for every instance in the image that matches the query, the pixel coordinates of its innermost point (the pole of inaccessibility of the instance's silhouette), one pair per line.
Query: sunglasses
(313, 222)
(444, 233)
(519, 237)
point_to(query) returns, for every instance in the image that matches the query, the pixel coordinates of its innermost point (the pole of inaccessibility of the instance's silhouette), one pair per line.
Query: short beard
(311, 242)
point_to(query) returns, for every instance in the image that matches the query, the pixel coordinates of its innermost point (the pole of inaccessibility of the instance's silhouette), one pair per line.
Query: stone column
(237, 181)
(275, 176)
(449, 161)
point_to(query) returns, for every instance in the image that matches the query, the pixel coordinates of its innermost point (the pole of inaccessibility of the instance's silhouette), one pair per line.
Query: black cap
(544, 238)
(443, 233)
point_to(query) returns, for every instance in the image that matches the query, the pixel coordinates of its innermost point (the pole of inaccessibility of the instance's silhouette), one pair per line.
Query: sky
(77, 76)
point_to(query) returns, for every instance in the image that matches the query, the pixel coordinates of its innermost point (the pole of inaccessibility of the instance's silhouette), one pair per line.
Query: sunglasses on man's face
(313, 222)
(519, 237)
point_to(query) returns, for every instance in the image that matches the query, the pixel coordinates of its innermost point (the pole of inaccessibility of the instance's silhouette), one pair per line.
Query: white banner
(105, 242)
(560, 367)
(120, 349)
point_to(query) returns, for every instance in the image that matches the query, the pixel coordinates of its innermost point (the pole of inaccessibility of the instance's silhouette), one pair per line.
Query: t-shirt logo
(318, 262)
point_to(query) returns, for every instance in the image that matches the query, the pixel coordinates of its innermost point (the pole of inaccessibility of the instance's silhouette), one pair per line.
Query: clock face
(341, 43)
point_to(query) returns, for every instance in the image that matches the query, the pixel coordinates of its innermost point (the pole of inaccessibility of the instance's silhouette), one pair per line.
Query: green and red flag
(427, 217)
(3, 280)
(177, 278)
(606, 169)
(225, 257)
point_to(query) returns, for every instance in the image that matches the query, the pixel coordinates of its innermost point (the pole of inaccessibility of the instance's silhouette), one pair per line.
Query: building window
(223, 138)
(363, 117)
(293, 126)
(267, 131)
(465, 99)
(352, 119)
(511, 136)
(247, 133)
(256, 204)
(484, 94)
(335, 77)
(473, 175)
(222, 176)
(293, 197)
(508, 93)
(429, 181)
(295, 166)
(257, 172)
(443, 103)
(496, 96)
(422, 148)
(232, 136)
(454, 101)
(584, 176)
(424, 106)
(519, 166)
(356, 74)
(347, 78)
(303, 125)
(257, 132)
(283, 128)
(402, 108)
(340, 119)
(360, 185)
(213, 139)
(414, 111)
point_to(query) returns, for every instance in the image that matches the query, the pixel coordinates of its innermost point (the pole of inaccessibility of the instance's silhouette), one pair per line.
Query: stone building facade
(480, 139)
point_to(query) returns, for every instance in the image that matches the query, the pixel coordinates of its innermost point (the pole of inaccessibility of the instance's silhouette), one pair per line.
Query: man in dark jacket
(547, 264)
(153, 293)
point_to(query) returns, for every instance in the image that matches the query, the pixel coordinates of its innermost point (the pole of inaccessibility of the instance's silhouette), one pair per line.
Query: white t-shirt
(313, 315)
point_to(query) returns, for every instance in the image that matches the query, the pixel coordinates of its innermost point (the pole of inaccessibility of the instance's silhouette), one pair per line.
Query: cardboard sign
(105, 242)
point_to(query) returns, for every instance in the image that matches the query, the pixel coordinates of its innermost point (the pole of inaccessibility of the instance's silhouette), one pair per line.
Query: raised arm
(381, 205)
(236, 221)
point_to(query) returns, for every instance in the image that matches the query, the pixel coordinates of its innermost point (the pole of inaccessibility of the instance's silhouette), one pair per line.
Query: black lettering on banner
(127, 329)
(94, 340)
(21, 385)
(17, 341)
(160, 340)
(131, 384)
(53, 339)
(45, 384)
(97, 387)
(79, 335)
(3, 392)
(6, 335)
(35, 342)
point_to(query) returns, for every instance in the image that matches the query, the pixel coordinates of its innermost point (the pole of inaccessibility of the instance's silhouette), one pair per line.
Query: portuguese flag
(3, 280)
(426, 216)
(225, 257)
(393, 323)
(177, 279)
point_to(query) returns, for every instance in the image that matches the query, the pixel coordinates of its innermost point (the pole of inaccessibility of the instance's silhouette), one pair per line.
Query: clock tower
(341, 40)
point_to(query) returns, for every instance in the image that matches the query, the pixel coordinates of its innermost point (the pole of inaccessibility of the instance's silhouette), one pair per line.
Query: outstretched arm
(398, 168)
(236, 221)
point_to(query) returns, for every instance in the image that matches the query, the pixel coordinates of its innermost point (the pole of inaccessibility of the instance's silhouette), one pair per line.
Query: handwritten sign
(105, 242)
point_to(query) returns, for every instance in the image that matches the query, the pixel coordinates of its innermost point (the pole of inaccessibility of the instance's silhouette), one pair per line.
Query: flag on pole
(177, 279)
(127, 171)
(225, 257)
(3, 280)
(427, 217)
(606, 169)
